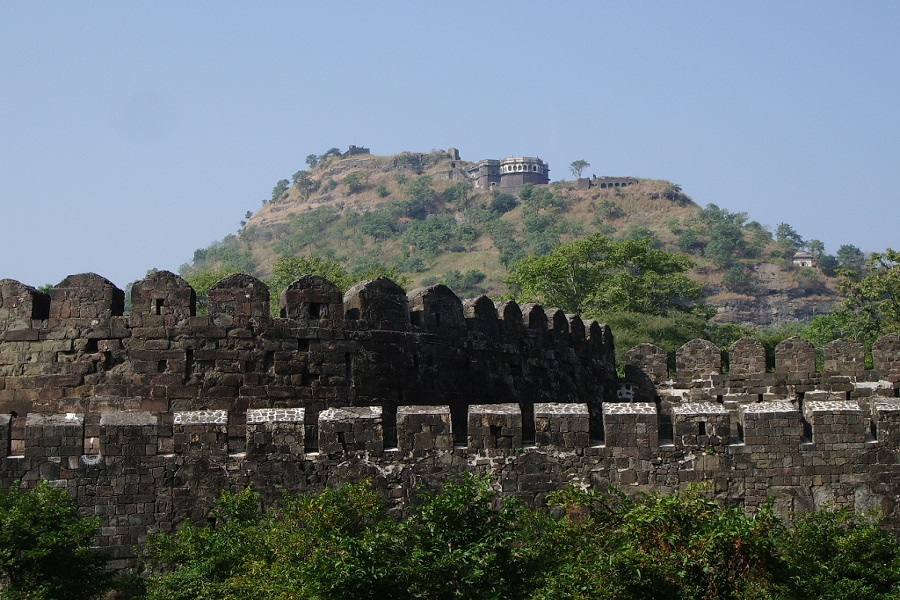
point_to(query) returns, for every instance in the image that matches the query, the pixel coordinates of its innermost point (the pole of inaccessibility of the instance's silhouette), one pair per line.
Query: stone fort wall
(145, 417)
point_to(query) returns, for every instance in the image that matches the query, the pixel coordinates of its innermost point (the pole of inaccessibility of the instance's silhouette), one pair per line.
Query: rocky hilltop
(434, 218)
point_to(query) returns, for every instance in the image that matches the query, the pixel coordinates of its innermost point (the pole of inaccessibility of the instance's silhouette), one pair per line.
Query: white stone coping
(699, 408)
(831, 406)
(350, 413)
(494, 409)
(202, 417)
(54, 419)
(887, 405)
(770, 407)
(275, 415)
(560, 408)
(422, 409)
(629, 408)
(132, 419)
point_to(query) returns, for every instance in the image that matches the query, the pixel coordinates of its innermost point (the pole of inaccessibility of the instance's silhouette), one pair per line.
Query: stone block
(494, 427)
(701, 425)
(201, 433)
(631, 425)
(129, 434)
(351, 429)
(54, 435)
(422, 429)
(562, 425)
(836, 421)
(275, 432)
(770, 424)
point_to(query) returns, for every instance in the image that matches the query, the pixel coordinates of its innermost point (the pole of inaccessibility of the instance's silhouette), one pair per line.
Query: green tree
(466, 543)
(788, 240)
(851, 258)
(280, 188)
(458, 194)
(596, 274)
(202, 280)
(378, 223)
(816, 248)
(503, 203)
(287, 269)
(738, 279)
(419, 189)
(836, 555)
(353, 181)
(578, 166)
(871, 307)
(312, 160)
(305, 184)
(680, 546)
(828, 264)
(45, 547)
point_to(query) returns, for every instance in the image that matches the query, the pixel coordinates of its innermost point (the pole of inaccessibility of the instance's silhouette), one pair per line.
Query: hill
(421, 217)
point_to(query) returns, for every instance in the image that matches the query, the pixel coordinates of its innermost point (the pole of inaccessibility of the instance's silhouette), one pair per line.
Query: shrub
(45, 547)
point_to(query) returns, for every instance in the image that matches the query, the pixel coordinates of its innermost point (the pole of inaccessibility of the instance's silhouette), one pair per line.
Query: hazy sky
(132, 134)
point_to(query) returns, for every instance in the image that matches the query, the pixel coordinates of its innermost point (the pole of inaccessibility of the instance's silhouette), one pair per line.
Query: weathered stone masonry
(145, 417)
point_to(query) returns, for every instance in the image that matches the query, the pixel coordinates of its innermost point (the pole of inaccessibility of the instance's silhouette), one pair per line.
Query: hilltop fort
(144, 418)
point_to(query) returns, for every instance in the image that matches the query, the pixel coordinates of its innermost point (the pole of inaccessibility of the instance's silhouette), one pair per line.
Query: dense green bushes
(45, 548)
(463, 542)
(466, 542)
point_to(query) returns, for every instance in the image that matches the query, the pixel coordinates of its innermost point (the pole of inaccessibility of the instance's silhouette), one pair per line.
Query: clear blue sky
(133, 133)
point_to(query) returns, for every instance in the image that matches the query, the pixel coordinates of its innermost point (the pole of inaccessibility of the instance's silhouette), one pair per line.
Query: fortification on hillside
(144, 418)
(509, 174)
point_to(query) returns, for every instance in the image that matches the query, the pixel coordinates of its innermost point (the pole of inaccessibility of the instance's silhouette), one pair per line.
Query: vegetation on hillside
(416, 218)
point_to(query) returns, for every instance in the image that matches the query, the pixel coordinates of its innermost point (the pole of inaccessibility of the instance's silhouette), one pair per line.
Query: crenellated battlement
(429, 429)
(145, 417)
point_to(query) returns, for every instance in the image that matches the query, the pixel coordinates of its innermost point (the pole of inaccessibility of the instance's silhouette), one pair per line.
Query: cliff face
(772, 310)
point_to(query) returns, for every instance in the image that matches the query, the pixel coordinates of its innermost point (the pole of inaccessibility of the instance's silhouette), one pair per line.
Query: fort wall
(144, 418)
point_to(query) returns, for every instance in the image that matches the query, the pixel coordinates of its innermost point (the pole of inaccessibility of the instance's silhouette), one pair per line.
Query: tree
(45, 547)
(312, 160)
(503, 202)
(828, 264)
(305, 184)
(288, 269)
(738, 279)
(578, 166)
(202, 280)
(341, 544)
(840, 555)
(353, 181)
(458, 194)
(596, 274)
(280, 188)
(788, 239)
(816, 248)
(871, 307)
(851, 258)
